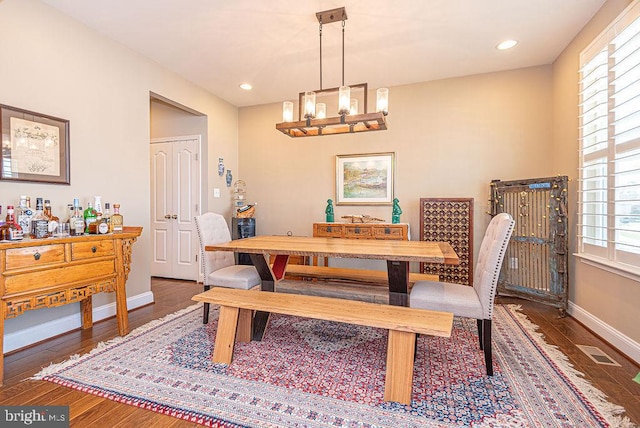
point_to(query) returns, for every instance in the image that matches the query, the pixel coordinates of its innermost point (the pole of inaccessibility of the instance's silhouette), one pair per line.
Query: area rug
(310, 373)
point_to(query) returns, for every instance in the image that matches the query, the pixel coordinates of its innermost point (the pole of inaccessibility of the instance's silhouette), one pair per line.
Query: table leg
(264, 270)
(398, 273)
(2, 315)
(121, 292)
(268, 277)
(86, 310)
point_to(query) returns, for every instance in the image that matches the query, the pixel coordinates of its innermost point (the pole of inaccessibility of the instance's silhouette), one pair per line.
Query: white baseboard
(28, 336)
(624, 344)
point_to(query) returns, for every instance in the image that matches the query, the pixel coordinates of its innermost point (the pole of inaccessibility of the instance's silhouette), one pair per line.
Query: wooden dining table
(397, 254)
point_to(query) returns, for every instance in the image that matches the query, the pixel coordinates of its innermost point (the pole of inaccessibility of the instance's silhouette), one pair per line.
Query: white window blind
(609, 192)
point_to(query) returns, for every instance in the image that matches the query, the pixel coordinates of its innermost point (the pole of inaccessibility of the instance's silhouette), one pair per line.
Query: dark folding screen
(451, 220)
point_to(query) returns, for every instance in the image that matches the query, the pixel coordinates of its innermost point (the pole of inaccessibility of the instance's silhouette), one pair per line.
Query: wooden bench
(374, 277)
(403, 323)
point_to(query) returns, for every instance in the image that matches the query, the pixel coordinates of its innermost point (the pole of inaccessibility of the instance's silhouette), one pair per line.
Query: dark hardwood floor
(171, 295)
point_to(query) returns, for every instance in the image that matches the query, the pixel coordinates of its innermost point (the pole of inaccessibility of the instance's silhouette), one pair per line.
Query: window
(609, 194)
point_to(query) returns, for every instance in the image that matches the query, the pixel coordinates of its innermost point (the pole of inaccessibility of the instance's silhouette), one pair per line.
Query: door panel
(160, 205)
(160, 251)
(185, 206)
(175, 182)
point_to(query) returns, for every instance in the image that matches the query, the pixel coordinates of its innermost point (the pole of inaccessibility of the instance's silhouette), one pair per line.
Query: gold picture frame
(35, 147)
(365, 179)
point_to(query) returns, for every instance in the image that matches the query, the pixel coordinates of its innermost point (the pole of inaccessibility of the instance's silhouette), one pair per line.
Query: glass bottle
(99, 226)
(106, 217)
(89, 216)
(53, 220)
(1, 218)
(69, 216)
(39, 222)
(10, 230)
(117, 222)
(77, 226)
(24, 215)
(97, 205)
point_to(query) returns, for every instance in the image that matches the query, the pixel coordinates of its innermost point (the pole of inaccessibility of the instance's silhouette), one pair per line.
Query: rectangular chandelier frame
(334, 125)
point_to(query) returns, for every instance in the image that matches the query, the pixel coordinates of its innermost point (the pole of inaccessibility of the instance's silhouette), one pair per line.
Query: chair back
(212, 229)
(492, 251)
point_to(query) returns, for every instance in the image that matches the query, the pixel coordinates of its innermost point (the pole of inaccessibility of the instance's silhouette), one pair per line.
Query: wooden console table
(44, 273)
(396, 232)
(399, 231)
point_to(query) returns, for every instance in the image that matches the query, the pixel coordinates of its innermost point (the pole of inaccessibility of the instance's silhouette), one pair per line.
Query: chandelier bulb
(344, 100)
(309, 105)
(353, 107)
(287, 111)
(382, 101)
(321, 110)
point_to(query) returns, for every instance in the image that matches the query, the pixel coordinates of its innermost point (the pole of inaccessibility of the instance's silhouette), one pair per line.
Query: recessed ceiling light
(246, 86)
(507, 44)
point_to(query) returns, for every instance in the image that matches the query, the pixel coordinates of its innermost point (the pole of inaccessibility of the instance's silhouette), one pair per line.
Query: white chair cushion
(461, 300)
(235, 276)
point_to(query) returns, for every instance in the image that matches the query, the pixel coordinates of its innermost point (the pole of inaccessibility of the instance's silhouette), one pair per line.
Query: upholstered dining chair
(219, 267)
(477, 301)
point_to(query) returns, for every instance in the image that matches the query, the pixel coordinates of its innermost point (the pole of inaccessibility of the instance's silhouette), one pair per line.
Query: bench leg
(398, 384)
(226, 334)
(245, 324)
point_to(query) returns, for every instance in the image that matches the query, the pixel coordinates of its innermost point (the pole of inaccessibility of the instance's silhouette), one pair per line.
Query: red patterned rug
(309, 373)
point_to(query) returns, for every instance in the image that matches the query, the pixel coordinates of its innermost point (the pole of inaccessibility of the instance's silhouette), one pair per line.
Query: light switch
(216, 192)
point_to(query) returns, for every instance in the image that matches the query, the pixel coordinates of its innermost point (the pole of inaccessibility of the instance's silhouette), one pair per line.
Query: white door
(175, 201)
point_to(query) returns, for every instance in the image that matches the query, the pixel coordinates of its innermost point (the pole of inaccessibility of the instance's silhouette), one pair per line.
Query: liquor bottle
(53, 220)
(1, 218)
(24, 215)
(69, 216)
(97, 205)
(39, 222)
(99, 226)
(107, 216)
(89, 216)
(76, 227)
(94, 227)
(117, 222)
(10, 230)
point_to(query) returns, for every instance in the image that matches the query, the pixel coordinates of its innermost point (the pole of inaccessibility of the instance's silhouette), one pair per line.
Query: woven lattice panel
(450, 220)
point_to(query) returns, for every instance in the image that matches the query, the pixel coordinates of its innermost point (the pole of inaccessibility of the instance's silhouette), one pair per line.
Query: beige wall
(602, 300)
(451, 138)
(56, 66)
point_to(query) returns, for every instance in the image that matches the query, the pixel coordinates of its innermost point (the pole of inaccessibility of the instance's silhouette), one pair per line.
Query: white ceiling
(274, 44)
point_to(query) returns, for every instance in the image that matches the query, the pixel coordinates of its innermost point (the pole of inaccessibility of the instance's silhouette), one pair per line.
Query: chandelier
(312, 117)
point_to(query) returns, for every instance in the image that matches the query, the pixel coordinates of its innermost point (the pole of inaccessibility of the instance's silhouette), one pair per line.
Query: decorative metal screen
(451, 220)
(535, 266)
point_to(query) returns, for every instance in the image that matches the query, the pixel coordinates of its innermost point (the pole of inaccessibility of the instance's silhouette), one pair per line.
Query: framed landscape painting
(35, 147)
(365, 179)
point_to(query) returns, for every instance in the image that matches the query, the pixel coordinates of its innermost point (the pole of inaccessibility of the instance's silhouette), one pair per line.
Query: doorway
(175, 201)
